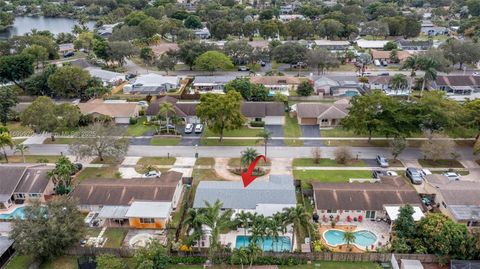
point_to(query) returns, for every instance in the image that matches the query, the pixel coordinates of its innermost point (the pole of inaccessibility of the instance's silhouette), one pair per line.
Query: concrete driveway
(311, 131)
(276, 131)
(190, 139)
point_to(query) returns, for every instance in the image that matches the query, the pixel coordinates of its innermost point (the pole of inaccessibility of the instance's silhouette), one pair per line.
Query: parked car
(384, 74)
(152, 174)
(476, 74)
(189, 128)
(425, 172)
(143, 103)
(68, 54)
(384, 63)
(414, 175)
(263, 64)
(243, 68)
(382, 161)
(378, 173)
(130, 76)
(199, 128)
(452, 176)
(299, 65)
(377, 63)
(78, 167)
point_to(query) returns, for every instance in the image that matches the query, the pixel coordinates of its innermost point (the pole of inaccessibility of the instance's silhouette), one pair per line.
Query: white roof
(159, 210)
(269, 210)
(394, 211)
(105, 75)
(371, 44)
(155, 80)
(113, 212)
(326, 42)
(411, 264)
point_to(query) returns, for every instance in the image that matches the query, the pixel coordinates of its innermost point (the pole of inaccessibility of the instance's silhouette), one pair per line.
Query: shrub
(343, 154)
(257, 123)
(141, 112)
(133, 121)
(187, 260)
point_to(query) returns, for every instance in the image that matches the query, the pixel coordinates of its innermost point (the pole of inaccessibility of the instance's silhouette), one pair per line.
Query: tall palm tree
(252, 253)
(265, 136)
(248, 156)
(259, 229)
(282, 219)
(243, 218)
(411, 63)
(399, 82)
(299, 217)
(240, 254)
(429, 66)
(216, 220)
(193, 226)
(22, 148)
(167, 109)
(349, 237)
(273, 230)
(6, 141)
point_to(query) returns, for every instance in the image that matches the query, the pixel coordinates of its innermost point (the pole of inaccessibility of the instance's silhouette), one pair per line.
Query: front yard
(326, 162)
(292, 129)
(242, 132)
(110, 172)
(139, 128)
(440, 163)
(328, 176)
(230, 142)
(147, 161)
(31, 159)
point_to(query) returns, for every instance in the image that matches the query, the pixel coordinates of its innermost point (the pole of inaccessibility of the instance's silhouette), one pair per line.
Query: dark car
(130, 76)
(263, 64)
(414, 175)
(68, 54)
(384, 74)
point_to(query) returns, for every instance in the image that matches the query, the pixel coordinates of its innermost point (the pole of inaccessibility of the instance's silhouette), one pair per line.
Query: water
(55, 25)
(266, 244)
(17, 213)
(362, 238)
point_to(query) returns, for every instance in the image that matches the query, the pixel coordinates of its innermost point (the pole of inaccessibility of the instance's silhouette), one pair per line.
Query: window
(444, 205)
(147, 220)
(258, 119)
(19, 196)
(34, 195)
(324, 120)
(331, 211)
(370, 214)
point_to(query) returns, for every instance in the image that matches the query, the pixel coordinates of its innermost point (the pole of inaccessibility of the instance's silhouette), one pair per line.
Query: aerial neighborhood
(161, 134)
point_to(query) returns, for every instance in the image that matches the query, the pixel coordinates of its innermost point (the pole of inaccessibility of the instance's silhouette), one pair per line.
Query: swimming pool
(363, 238)
(281, 244)
(17, 213)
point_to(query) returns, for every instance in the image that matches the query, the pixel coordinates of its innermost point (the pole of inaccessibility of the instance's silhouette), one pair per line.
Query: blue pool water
(17, 213)
(362, 238)
(282, 244)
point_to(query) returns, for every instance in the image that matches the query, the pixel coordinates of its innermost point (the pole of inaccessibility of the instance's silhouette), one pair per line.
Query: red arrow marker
(247, 177)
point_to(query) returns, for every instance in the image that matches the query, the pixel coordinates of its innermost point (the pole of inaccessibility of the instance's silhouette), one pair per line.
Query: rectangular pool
(267, 244)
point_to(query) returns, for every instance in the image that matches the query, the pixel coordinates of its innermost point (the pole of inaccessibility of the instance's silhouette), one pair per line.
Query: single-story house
(281, 84)
(203, 33)
(290, 17)
(333, 45)
(184, 110)
(19, 183)
(371, 44)
(458, 87)
(323, 85)
(459, 200)
(329, 87)
(139, 203)
(414, 45)
(272, 113)
(324, 115)
(65, 48)
(428, 28)
(383, 55)
(215, 84)
(384, 83)
(120, 112)
(286, 9)
(152, 84)
(106, 30)
(362, 201)
(107, 77)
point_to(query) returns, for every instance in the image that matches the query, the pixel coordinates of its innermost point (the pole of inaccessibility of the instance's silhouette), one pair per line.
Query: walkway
(36, 139)
(222, 170)
(127, 168)
(184, 165)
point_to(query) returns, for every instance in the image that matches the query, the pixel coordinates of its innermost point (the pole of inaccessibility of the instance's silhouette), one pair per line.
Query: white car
(199, 128)
(476, 74)
(425, 172)
(143, 103)
(151, 174)
(452, 176)
(188, 128)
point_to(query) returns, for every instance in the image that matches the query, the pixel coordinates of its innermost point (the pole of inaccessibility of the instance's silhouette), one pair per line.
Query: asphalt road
(228, 152)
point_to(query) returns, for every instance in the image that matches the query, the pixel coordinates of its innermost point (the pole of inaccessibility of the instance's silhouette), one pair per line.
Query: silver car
(382, 161)
(414, 175)
(452, 176)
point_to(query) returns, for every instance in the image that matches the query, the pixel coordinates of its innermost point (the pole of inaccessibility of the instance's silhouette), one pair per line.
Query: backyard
(328, 176)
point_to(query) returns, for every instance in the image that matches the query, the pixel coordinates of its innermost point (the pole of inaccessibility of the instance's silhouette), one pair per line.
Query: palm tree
(62, 174)
(217, 221)
(259, 229)
(252, 253)
(273, 231)
(299, 217)
(265, 136)
(282, 219)
(429, 66)
(411, 63)
(167, 109)
(6, 141)
(240, 254)
(349, 237)
(248, 156)
(193, 226)
(399, 82)
(22, 148)
(243, 218)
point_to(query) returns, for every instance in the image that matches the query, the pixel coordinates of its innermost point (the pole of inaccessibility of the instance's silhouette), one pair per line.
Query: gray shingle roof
(278, 190)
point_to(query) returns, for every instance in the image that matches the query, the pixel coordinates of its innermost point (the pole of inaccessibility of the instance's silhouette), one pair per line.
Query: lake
(55, 25)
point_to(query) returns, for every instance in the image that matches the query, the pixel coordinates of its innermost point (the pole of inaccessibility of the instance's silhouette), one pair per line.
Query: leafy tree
(154, 255)
(100, 48)
(397, 146)
(331, 28)
(109, 261)
(473, 7)
(16, 68)
(84, 41)
(96, 92)
(240, 51)
(439, 147)
(404, 225)
(248, 156)
(399, 82)
(69, 82)
(221, 112)
(290, 53)
(412, 27)
(394, 56)
(6, 19)
(147, 55)
(167, 62)
(119, 50)
(38, 233)
(436, 112)
(37, 84)
(38, 53)
(102, 140)
(363, 61)
(8, 100)
(305, 89)
(300, 29)
(149, 27)
(248, 90)
(5, 141)
(22, 148)
(213, 61)
(239, 255)
(189, 51)
(62, 175)
(461, 52)
(193, 22)
(299, 217)
(321, 59)
(217, 220)
(269, 29)
(193, 225)
(390, 45)
(375, 28)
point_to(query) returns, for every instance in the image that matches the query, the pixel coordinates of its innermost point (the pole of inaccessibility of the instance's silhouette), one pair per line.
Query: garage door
(308, 121)
(274, 120)
(122, 120)
(193, 119)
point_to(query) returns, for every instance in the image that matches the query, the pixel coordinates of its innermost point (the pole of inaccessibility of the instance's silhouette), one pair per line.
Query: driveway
(311, 131)
(190, 139)
(276, 131)
(142, 141)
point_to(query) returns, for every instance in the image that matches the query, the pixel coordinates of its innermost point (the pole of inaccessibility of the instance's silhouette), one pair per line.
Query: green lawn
(138, 129)
(156, 161)
(235, 162)
(204, 174)
(205, 161)
(292, 129)
(242, 132)
(16, 129)
(164, 141)
(334, 265)
(100, 172)
(19, 262)
(338, 132)
(115, 237)
(63, 262)
(229, 142)
(329, 176)
(31, 158)
(326, 162)
(441, 163)
(357, 143)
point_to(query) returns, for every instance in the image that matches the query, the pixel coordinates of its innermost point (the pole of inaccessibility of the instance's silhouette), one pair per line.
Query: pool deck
(230, 239)
(381, 230)
(11, 209)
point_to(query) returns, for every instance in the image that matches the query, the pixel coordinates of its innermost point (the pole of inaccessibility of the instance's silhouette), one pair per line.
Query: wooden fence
(317, 256)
